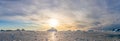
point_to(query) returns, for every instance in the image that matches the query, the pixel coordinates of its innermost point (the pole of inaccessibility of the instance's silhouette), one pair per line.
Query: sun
(53, 22)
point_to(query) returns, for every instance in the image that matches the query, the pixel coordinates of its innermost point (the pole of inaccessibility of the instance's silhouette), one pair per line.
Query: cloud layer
(85, 14)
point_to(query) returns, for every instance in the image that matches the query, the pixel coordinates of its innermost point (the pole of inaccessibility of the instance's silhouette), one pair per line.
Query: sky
(71, 14)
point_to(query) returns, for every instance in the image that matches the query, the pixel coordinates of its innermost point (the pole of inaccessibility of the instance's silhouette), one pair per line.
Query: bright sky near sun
(60, 14)
(53, 22)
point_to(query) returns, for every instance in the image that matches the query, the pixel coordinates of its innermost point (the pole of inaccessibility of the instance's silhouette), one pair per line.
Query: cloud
(89, 14)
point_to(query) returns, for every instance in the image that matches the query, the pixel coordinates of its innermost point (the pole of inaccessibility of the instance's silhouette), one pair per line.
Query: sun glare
(53, 22)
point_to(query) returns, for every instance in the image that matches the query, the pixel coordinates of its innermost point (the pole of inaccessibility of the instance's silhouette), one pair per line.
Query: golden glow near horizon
(53, 22)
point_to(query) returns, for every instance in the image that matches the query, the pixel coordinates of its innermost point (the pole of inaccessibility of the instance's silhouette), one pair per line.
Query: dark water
(59, 36)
